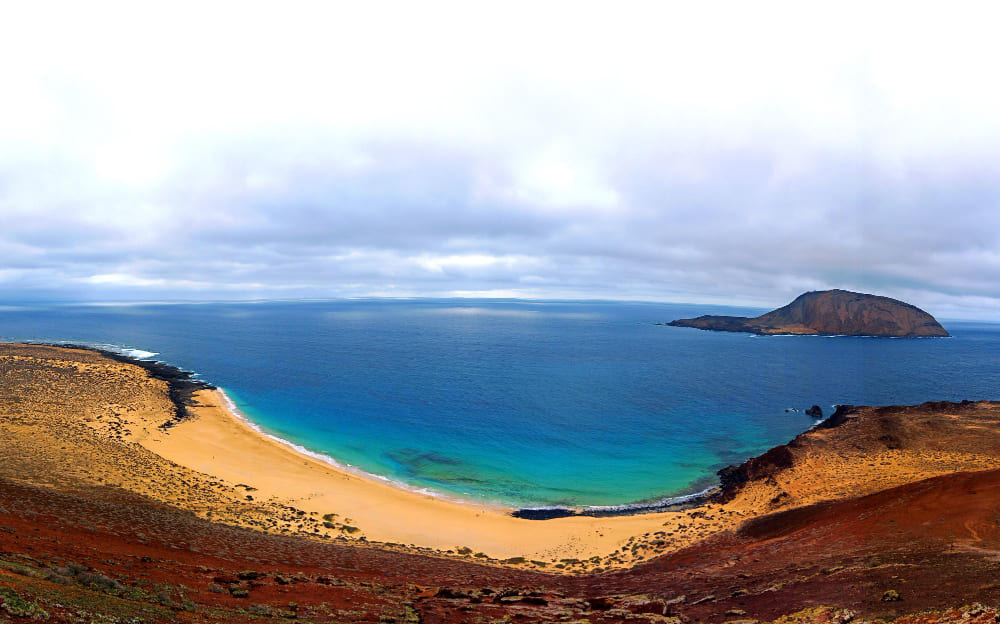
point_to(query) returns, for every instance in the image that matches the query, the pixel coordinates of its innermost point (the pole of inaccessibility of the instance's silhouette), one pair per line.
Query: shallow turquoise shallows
(524, 403)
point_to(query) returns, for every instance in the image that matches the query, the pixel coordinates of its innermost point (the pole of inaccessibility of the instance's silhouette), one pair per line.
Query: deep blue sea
(524, 403)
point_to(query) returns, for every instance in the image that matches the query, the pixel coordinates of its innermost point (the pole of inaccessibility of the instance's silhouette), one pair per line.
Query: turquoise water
(525, 403)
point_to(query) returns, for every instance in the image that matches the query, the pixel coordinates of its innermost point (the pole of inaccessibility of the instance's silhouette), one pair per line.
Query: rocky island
(832, 313)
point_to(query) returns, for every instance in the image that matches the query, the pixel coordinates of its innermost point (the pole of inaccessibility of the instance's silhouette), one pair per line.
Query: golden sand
(221, 444)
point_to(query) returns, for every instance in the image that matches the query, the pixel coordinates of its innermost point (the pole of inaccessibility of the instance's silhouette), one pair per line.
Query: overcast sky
(734, 153)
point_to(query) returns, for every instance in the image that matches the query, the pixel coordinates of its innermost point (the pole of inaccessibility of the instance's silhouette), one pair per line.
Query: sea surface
(522, 402)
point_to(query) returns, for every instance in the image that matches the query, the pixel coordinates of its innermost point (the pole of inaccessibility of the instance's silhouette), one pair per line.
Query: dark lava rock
(451, 594)
(600, 603)
(543, 513)
(815, 411)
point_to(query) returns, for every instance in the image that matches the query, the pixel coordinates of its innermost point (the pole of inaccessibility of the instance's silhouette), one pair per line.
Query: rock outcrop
(831, 312)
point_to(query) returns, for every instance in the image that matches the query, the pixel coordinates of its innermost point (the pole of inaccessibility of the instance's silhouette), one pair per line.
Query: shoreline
(237, 414)
(667, 503)
(181, 384)
(754, 334)
(223, 444)
(679, 502)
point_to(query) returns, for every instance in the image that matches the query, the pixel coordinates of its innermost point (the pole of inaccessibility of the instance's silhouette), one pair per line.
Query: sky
(734, 153)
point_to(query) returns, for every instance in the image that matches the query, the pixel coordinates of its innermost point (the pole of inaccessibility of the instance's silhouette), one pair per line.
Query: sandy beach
(79, 418)
(219, 443)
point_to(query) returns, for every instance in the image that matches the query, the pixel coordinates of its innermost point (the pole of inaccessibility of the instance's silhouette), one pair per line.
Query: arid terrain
(890, 512)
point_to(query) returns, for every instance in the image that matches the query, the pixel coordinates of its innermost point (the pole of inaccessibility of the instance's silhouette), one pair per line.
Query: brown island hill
(129, 494)
(831, 313)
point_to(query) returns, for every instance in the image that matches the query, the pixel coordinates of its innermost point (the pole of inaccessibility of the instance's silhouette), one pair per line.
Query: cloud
(731, 153)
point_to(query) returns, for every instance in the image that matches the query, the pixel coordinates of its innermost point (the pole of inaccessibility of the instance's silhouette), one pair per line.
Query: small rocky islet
(830, 313)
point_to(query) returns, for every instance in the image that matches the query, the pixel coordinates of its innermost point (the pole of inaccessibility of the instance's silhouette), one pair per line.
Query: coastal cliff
(910, 442)
(830, 312)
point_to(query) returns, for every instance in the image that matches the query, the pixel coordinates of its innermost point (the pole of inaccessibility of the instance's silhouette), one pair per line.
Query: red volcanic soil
(105, 551)
(160, 550)
(935, 542)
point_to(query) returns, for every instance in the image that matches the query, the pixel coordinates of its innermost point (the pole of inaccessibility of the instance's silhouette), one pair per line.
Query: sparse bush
(134, 593)
(98, 581)
(82, 575)
(163, 597)
(54, 577)
(19, 607)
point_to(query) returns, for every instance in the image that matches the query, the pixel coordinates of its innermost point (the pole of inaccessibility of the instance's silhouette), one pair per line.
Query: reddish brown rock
(831, 312)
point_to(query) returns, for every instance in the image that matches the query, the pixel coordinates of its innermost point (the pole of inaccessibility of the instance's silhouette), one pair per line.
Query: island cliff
(831, 312)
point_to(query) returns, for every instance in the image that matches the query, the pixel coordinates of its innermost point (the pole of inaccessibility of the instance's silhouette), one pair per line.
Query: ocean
(523, 403)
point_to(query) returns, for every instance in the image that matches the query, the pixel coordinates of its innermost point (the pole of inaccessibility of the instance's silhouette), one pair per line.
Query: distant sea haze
(524, 403)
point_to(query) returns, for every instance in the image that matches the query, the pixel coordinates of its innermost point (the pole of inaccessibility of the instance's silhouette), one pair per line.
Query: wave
(663, 502)
(670, 503)
(138, 354)
(135, 354)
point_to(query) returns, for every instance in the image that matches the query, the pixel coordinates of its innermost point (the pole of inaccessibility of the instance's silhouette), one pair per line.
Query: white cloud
(635, 150)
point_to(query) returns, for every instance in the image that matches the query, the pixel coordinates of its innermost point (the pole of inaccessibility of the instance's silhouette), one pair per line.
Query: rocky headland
(831, 313)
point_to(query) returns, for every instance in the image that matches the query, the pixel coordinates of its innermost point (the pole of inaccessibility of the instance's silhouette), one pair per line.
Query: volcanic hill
(831, 312)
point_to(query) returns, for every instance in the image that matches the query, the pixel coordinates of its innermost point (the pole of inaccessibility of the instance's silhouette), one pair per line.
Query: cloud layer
(733, 153)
